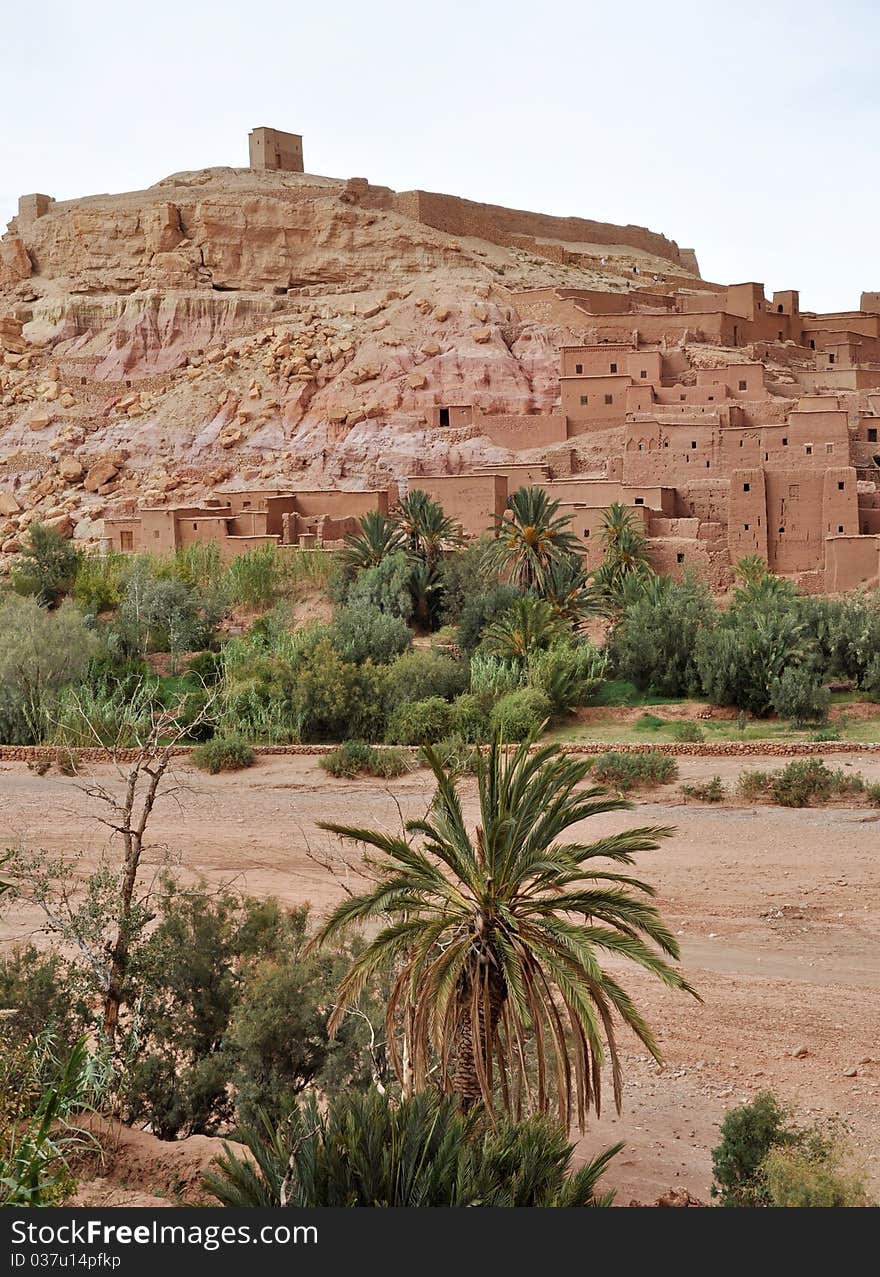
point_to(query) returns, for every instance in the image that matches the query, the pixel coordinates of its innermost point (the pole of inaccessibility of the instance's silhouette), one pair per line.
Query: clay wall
(587, 401)
(587, 522)
(336, 504)
(519, 432)
(747, 515)
(455, 416)
(605, 359)
(467, 218)
(270, 149)
(851, 561)
(470, 499)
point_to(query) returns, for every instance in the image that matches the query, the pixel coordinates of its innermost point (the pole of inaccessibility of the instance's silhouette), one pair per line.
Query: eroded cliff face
(261, 326)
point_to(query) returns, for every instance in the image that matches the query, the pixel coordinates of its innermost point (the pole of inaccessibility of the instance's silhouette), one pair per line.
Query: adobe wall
(336, 504)
(587, 522)
(470, 499)
(870, 302)
(271, 150)
(467, 218)
(519, 432)
(851, 561)
(747, 515)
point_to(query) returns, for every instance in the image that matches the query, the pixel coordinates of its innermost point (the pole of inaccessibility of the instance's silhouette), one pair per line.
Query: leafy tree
(41, 653)
(385, 587)
(520, 715)
(495, 939)
(419, 674)
(529, 625)
(46, 567)
(747, 1135)
(167, 613)
(361, 633)
(652, 644)
(480, 610)
(798, 694)
(740, 658)
(530, 538)
(463, 577)
(364, 1150)
(336, 699)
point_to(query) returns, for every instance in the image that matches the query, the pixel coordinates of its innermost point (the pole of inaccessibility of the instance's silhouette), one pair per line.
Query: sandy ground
(778, 914)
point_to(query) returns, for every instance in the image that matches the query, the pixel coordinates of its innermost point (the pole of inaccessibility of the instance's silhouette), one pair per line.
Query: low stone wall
(696, 749)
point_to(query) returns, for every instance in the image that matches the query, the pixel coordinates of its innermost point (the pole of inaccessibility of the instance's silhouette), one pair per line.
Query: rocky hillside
(230, 324)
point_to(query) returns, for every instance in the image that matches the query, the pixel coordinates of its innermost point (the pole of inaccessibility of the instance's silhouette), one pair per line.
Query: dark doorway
(444, 416)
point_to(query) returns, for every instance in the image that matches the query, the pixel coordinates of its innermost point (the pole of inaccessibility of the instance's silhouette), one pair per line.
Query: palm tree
(530, 538)
(376, 538)
(528, 625)
(625, 563)
(497, 937)
(427, 529)
(364, 1150)
(568, 592)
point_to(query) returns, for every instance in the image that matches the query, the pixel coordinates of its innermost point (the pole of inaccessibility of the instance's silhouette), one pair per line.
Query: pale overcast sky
(746, 129)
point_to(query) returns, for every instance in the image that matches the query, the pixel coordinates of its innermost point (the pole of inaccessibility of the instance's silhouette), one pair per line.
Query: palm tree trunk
(466, 1074)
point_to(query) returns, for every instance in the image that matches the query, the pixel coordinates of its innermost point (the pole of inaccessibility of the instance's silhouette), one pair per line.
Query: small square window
(841, 486)
(665, 443)
(693, 443)
(585, 399)
(785, 441)
(747, 487)
(682, 398)
(872, 434)
(579, 368)
(156, 534)
(746, 527)
(679, 558)
(609, 399)
(831, 358)
(644, 373)
(711, 399)
(840, 527)
(640, 500)
(808, 448)
(812, 344)
(781, 531)
(586, 532)
(743, 385)
(614, 367)
(829, 447)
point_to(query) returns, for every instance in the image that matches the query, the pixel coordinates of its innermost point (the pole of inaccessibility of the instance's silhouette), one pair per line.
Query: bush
(870, 684)
(470, 720)
(458, 755)
(687, 732)
(802, 783)
(420, 722)
(634, 771)
(520, 714)
(742, 656)
(385, 587)
(354, 758)
(333, 699)
(492, 677)
(368, 1150)
(650, 723)
(207, 667)
(368, 633)
(464, 577)
(167, 614)
(799, 695)
(747, 1135)
(46, 567)
(801, 1177)
(753, 785)
(652, 645)
(255, 579)
(41, 653)
(707, 791)
(223, 754)
(420, 674)
(569, 674)
(479, 611)
(100, 581)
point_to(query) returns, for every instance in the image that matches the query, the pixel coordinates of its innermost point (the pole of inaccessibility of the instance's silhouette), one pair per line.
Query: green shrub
(464, 577)
(46, 566)
(207, 667)
(707, 791)
(748, 1133)
(41, 654)
(753, 785)
(825, 734)
(799, 696)
(800, 1177)
(528, 626)
(492, 677)
(256, 578)
(368, 633)
(634, 771)
(653, 643)
(872, 793)
(519, 714)
(479, 611)
(458, 755)
(223, 754)
(687, 732)
(870, 683)
(420, 674)
(569, 674)
(385, 587)
(354, 758)
(333, 699)
(100, 581)
(470, 719)
(421, 722)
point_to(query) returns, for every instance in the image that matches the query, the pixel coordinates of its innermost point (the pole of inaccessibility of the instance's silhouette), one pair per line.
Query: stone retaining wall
(696, 749)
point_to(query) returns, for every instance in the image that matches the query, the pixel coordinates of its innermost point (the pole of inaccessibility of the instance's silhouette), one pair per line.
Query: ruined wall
(519, 432)
(463, 217)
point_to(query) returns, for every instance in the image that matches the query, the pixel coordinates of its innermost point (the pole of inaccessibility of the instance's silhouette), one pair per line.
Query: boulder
(70, 469)
(8, 503)
(101, 472)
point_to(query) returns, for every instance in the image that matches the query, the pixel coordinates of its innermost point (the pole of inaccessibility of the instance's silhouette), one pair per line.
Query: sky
(747, 130)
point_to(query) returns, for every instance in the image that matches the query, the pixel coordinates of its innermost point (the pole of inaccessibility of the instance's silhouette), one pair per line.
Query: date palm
(528, 625)
(377, 537)
(498, 936)
(426, 527)
(530, 538)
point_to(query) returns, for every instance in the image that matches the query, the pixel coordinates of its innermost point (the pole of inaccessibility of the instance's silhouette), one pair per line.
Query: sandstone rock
(8, 503)
(39, 421)
(482, 335)
(417, 380)
(800, 1053)
(100, 473)
(430, 347)
(12, 546)
(71, 469)
(61, 523)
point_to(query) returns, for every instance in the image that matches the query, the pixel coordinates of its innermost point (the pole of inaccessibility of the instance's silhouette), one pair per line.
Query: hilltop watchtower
(271, 150)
